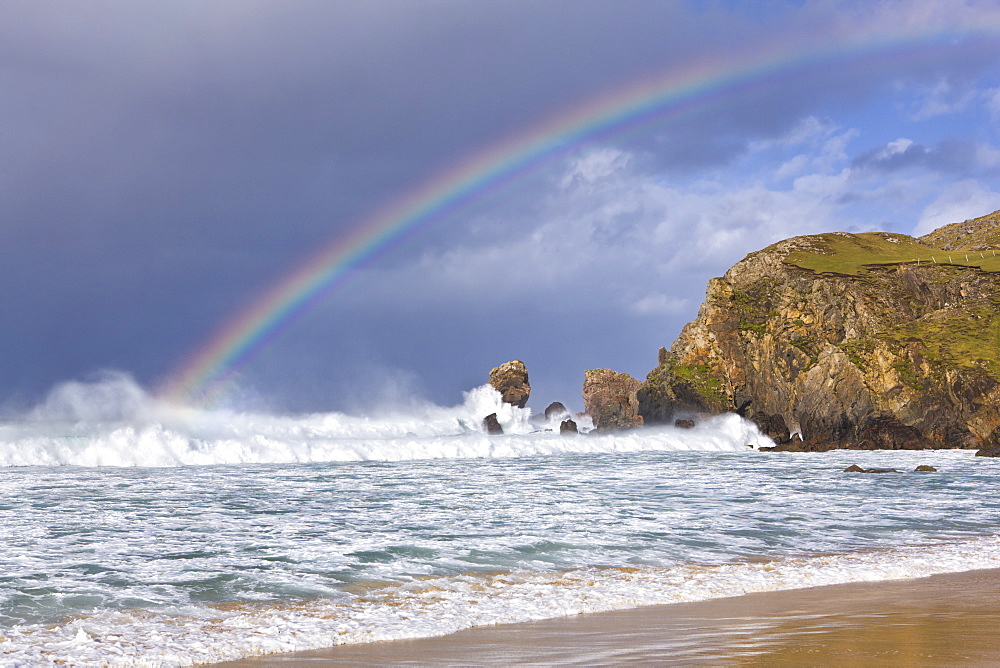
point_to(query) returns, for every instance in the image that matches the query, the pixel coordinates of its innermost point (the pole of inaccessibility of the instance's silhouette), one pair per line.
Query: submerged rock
(492, 425)
(684, 424)
(924, 468)
(854, 468)
(988, 452)
(511, 381)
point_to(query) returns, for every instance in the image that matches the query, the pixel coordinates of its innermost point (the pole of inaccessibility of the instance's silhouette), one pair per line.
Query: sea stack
(511, 381)
(609, 398)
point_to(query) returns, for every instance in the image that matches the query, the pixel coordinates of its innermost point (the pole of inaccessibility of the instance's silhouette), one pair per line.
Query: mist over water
(114, 422)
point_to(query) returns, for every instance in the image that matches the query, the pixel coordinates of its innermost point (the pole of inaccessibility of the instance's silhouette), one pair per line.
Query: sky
(164, 165)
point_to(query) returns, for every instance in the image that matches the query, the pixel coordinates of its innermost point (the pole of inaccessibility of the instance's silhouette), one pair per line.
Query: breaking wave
(114, 422)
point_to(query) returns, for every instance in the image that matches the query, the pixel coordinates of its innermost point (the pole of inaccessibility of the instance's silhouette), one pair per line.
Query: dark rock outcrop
(609, 397)
(684, 424)
(797, 445)
(988, 452)
(871, 340)
(854, 468)
(556, 411)
(492, 425)
(885, 432)
(511, 381)
(924, 468)
(772, 426)
(568, 427)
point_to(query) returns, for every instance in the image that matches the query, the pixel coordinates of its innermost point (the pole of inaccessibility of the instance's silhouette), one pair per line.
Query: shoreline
(946, 619)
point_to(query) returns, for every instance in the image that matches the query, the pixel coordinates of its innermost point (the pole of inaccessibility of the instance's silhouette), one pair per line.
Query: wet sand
(951, 620)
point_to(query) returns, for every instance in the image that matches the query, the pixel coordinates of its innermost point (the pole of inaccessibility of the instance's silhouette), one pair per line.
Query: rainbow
(202, 377)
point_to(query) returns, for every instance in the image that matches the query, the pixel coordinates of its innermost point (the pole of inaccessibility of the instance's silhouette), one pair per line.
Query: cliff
(872, 340)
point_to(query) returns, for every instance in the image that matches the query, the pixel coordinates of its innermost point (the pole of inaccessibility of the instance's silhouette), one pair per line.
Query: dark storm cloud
(163, 163)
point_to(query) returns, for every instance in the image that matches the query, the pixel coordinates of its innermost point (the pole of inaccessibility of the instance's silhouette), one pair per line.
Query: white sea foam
(112, 422)
(328, 528)
(437, 606)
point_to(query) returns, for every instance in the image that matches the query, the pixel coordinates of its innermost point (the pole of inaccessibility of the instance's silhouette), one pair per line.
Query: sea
(138, 533)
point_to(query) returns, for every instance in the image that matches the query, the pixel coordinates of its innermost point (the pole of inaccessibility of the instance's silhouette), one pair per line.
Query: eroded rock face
(772, 426)
(895, 354)
(511, 381)
(885, 432)
(568, 427)
(609, 397)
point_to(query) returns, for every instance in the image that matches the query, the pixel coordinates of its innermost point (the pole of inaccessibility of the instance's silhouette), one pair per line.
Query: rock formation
(511, 381)
(568, 427)
(854, 468)
(871, 340)
(609, 397)
(555, 411)
(772, 426)
(492, 425)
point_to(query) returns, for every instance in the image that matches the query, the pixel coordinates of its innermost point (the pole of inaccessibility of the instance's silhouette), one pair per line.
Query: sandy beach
(947, 619)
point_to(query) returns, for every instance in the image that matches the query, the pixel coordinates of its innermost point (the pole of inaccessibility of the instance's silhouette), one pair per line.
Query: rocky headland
(869, 341)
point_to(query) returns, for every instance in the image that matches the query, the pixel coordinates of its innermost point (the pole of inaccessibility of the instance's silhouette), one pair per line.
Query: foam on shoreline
(948, 619)
(439, 606)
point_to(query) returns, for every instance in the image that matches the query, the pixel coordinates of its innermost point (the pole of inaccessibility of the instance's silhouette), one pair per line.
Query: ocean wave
(113, 422)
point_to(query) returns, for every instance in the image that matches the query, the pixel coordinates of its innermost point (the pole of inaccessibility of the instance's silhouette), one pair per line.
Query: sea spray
(113, 422)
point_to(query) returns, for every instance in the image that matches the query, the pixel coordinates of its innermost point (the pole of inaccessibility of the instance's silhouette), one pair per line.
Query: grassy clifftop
(958, 328)
(855, 254)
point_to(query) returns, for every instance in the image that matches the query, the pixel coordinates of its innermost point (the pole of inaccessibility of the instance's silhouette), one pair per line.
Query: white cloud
(913, 17)
(793, 167)
(987, 157)
(660, 304)
(616, 238)
(821, 146)
(895, 147)
(992, 98)
(809, 130)
(940, 99)
(595, 165)
(961, 201)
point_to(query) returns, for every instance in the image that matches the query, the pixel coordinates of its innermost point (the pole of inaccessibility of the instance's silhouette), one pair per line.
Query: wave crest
(112, 421)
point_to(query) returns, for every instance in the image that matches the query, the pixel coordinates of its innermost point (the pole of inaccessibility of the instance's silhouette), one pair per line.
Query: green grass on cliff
(964, 338)
(964, 335)
(855, 254)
